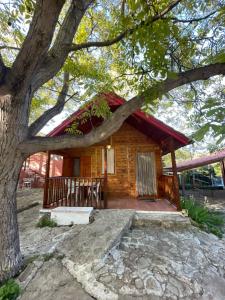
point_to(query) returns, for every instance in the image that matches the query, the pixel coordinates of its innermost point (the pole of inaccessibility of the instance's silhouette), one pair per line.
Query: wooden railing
(74, 191)
(168, 188)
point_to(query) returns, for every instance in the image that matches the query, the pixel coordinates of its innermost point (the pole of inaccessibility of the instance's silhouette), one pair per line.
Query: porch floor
(137, 204)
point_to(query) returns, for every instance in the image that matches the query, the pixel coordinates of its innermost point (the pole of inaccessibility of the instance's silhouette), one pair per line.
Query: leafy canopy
(156, 45)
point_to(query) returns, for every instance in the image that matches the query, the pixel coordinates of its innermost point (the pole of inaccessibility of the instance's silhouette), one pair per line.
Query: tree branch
(3, 69)
(115, 121)
(127, 32)
(38, 124)
(9, 47)
(36, 43)
(57, 55)
(177, 20)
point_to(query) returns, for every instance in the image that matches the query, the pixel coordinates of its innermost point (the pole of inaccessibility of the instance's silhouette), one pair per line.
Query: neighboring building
(33, 171)
(190, 177)
(133, 169)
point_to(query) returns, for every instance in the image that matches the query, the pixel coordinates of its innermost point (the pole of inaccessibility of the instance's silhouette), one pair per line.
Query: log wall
(127, 142)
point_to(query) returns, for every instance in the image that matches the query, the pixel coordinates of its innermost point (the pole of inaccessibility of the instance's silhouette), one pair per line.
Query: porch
(92, 192)
(141, 204)
(90, 179)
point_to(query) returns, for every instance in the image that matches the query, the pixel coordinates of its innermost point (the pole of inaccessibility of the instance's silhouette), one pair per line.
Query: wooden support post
(175, 176)
(183, 179)
(47, 169)
(105, 178)
(222, 164)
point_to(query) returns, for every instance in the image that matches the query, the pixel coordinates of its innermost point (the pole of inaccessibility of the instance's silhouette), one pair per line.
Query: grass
(209, 221)
(10, 290)
(45, 221)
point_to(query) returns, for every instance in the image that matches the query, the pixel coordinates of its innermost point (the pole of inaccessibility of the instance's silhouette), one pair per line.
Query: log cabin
(124, 171)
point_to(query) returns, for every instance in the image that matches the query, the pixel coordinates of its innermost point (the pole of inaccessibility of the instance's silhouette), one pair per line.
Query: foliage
(9, 290)
(190, 35)
(98, 107)
(181, 155)
(45, 221)
(212, 116)
(207, 220)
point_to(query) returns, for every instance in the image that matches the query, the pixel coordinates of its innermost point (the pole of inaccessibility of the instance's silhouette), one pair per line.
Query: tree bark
(11, 133)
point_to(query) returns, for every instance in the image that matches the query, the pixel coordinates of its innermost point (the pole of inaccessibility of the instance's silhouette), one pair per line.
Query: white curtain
(110, 161)
(146, 174)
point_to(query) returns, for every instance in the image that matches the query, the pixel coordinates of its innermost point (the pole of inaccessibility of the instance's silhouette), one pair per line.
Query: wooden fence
(74, 191)
(168, 188)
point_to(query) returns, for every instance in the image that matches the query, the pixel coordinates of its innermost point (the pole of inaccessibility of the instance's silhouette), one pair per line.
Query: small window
(110, 161)
(76, 167)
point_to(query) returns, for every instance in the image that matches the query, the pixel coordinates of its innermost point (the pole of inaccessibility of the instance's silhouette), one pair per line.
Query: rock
(152, 286)
(53, 281)
(139, 283)
(105, 279)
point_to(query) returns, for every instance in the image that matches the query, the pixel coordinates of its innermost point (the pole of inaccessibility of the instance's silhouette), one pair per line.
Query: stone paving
(123, 256)
(161, 263)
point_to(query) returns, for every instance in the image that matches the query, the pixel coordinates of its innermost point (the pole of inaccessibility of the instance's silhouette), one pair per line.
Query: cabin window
(76, 167)
(110, 161)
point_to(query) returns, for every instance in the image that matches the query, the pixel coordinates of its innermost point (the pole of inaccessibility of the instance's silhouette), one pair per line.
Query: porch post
(175, 176)
(222, 164)
(47, 168)
(105, 177)
(183, 178)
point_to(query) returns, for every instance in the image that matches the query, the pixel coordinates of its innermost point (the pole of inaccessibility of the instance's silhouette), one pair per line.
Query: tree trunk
(11, 134)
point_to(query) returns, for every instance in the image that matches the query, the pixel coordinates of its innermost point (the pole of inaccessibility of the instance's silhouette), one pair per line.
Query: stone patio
(159, 263)
(120, 256)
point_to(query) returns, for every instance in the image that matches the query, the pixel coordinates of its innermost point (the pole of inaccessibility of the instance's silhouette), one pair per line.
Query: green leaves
(153, 48)
(98, 107)
(10, 290)
(200, 133)
(207, 220)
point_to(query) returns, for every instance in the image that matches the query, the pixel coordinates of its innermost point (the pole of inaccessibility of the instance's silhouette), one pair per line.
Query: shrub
(45, 221)
(10, 290)
(207, 220)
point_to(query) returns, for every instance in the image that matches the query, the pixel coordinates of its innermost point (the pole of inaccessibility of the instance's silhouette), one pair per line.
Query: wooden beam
(175, 176)
(47, 169)
(105, 178)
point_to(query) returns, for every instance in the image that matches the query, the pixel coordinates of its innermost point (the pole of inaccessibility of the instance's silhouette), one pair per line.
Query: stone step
(65, 216)
(163, 219)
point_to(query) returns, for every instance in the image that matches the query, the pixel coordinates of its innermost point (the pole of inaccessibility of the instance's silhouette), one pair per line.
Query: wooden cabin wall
(127, 142)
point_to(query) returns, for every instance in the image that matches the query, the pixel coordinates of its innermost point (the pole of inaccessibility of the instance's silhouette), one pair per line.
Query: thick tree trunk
(11, 133)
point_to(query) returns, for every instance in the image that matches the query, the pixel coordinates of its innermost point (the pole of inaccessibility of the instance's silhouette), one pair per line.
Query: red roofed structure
(205, 160)
(147, 124)
(201, 161)
(121, 170)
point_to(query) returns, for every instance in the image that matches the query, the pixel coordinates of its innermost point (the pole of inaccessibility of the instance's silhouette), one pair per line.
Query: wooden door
(85, 166)
(146, 174)
(67, 167)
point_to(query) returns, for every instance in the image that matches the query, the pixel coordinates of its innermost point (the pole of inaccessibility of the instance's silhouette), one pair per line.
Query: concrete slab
(167, 219)
(53, 281)
(65, 216)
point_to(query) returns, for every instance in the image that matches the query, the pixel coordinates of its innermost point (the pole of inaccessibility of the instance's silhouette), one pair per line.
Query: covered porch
(92, 191)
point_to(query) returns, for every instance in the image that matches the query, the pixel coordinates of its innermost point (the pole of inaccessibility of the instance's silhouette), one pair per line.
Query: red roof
(201, 161)
(149, 125)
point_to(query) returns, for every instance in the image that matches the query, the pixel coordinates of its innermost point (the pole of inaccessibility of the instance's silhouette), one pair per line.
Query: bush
(207, 220)
(45, 221)
(10, 290)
